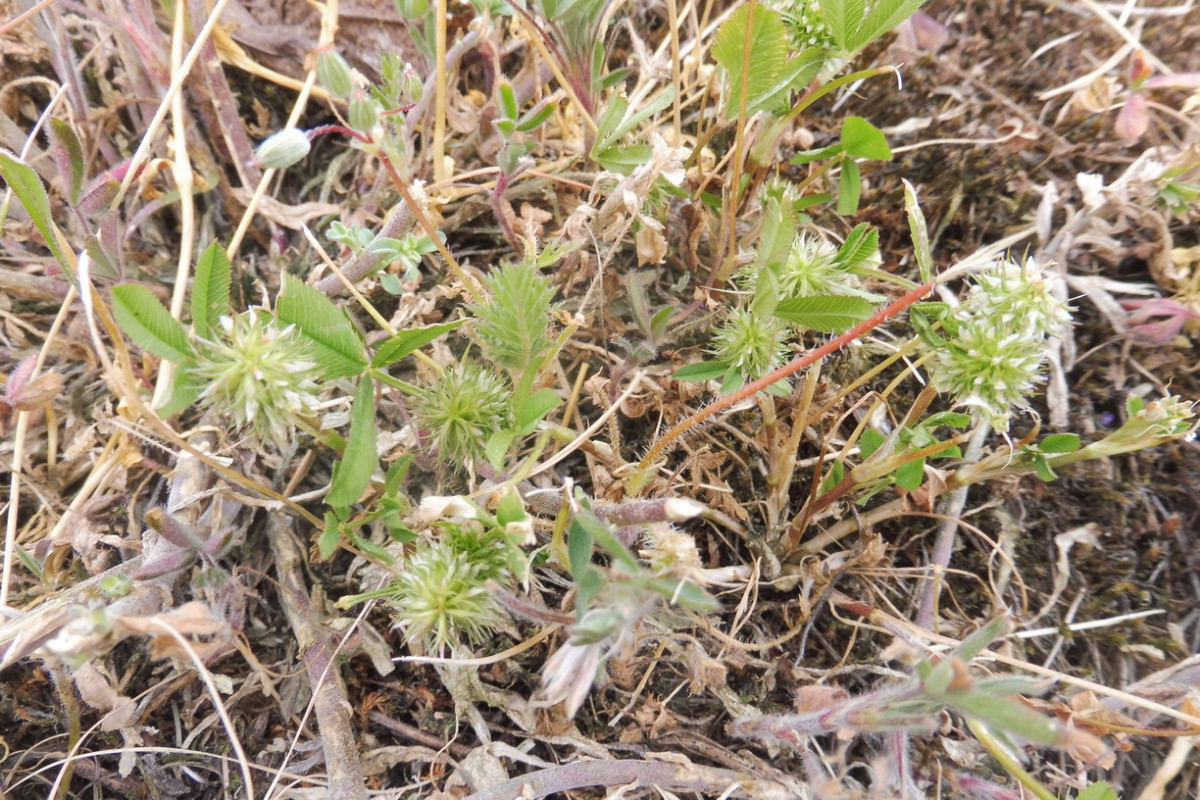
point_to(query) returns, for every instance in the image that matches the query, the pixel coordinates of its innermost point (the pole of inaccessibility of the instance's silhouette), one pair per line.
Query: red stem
(786, 371)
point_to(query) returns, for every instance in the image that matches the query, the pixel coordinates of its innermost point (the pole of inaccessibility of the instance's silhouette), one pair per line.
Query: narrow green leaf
(1006, 714)
(30, 192)
(623, 159)
(373, 550)
(396, 474)
(328, 541)
(148, 324)
(614, 124)
(864, 140)
(778, 233)
(861, 244)
(1043, 469)
(579, 548)
(535, 118)
(659, 323)
(809, 156)
(638, 284)
(511, 508)
(870, 442)
(186, 390)
(826, 313)
(537, 406)
(601, 533)
(734, 380)
(406, 342)
(497, 446)
(920, 233)
(609, 122)
(102, 262)
(605, 82)
(977, 641)
(68, 153)
(210, 290)
(849, 187)
(797, 73)
(682, 593)
(352, 474)
(951, 419)
(1098, 791)
(508, 101)
(701, 371)
(335, 345)
(766, 292)
(837, 471)
(766, 40)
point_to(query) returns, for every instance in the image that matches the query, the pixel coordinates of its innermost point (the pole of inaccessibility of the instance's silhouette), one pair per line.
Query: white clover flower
(998, 340)
(258, 374)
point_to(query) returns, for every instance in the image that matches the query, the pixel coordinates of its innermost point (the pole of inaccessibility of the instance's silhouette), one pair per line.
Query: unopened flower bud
(282, 149)
(363, 113)
(411, 84)
(334, 74)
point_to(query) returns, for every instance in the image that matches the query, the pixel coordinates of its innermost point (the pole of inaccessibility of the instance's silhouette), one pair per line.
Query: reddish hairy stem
(786, 371)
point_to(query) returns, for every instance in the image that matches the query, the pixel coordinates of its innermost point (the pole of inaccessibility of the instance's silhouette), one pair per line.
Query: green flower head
(461, 411)
(258, 374)
(751, 345)
(442, 598)
(998, 340)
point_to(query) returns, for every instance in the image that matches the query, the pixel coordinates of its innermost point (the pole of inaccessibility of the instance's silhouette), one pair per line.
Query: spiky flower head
(462, 409)
(805, 25)
(810, 268)
(751, 345)
(997, 341)
(442, 598)
(257, 373)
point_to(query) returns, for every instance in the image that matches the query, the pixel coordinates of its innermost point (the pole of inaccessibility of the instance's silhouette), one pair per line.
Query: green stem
(999, 752)
(395, 383)
(833, 85)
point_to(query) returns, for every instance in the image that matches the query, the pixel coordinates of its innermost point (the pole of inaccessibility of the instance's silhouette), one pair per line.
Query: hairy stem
(787, 370)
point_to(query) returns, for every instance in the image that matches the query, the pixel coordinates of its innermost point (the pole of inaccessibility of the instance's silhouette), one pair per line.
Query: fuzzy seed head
(998, 341)
(751, 345)
(257, 374)
(805, 26)
(442, 598)
(466, 405)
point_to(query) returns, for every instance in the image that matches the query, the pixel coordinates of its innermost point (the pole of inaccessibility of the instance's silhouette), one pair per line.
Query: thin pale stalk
(1011, 765)
(952, 508)
(441, 90)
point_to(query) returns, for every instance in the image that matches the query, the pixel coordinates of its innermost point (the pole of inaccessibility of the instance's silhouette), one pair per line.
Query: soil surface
(1006, 117)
